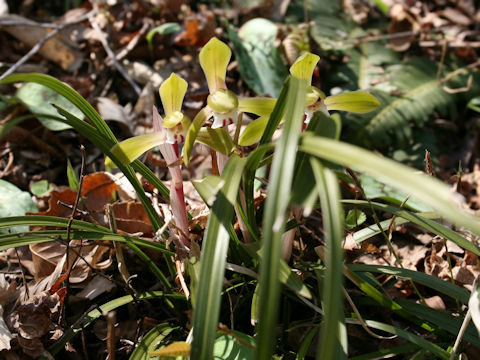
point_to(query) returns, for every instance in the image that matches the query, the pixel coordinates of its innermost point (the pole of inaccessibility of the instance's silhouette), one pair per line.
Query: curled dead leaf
(403, 22)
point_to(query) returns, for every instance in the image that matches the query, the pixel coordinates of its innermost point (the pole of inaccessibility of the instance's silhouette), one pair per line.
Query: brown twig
(47, 37)
(69, 230)
(111, 338)
(112, 56)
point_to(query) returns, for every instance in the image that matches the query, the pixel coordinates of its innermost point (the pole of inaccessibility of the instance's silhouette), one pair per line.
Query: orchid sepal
(354, 101)
(214, 58)
(130, 149)
(303, 67)
(257, 106)
(172, 91)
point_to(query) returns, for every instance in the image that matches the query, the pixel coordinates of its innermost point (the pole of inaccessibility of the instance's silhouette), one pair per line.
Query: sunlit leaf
(177, 348)
(214, 58)
(355, 101)
(14, 202)
(172, 91)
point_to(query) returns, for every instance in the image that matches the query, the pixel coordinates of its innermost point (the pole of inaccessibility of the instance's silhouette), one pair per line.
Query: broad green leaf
(150, 341)
(354, 218)
(214, 58)
(257, 106)
(330, 345)
(217, 139)
(14, 202)
(72, 177)
(430, 191)
(259, 62)
(355, 101)
(233, 347)
(41, 188)
(375, 189)
(130, 149)
(37, 98)
(172, 91)
(253, 132)
(212, 262)
(474, 307)
(275, 215)
(303, 67)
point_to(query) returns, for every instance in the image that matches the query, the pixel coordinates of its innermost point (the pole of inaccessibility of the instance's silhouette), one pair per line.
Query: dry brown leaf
(7, 290)
(5, 334)
(132, 218)
(198, 29)
(97, 286)
(402, 21)
(65, 196)
(435, 302)
(97, 189)
(58, 49)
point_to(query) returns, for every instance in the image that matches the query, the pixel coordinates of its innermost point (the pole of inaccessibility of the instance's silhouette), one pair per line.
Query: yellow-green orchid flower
(302, 68)
(170, 130)
(214, 58)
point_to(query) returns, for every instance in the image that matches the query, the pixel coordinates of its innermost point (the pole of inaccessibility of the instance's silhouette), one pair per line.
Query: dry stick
(112, 56)
(362, 321)
(27, 290)
(111, 335)
(47, 37)
(69, 230)
(131, 45)
(122, 267)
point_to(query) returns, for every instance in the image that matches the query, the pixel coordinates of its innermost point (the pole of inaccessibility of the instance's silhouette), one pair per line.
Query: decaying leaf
(58, 49)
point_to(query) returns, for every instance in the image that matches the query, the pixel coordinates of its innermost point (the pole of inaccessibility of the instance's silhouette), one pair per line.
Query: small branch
(47, 37)
(112, 56)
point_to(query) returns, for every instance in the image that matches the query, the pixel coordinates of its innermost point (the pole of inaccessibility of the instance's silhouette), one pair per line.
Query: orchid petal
(253, 132)
(303, 67)
(193, 130)
(214, 58)
(257, 106)
(132, 148)
(355, 101)
(172, 92)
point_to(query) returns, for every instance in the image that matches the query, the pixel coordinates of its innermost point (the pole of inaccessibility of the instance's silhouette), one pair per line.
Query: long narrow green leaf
(430, 281)
(424, 221)
(212, 262)
(426, 189)
(151, 341)
(386, 353)
(41, 220)
(276, 215)
(415, 339)
(8, 241)
(105, 308)
(65, 90)
(330, 344)
(442, 319)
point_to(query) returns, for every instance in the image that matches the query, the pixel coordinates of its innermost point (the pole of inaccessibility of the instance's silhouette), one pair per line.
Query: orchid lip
(225, 119)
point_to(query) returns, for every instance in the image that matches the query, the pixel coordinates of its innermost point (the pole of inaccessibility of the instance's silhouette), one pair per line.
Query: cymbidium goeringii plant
(302, 68)
(169, 133)
(222, 104)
